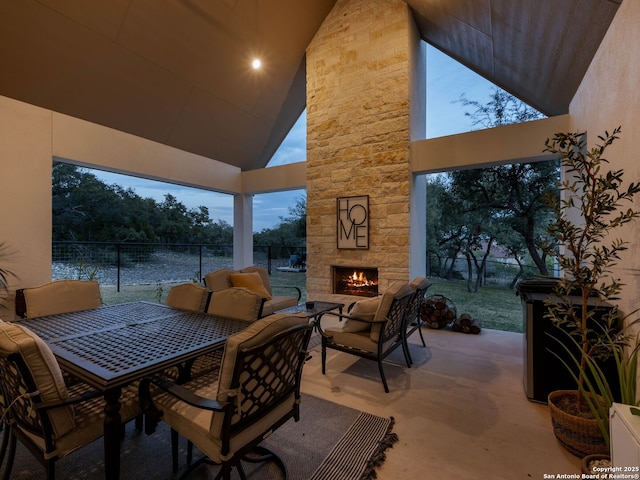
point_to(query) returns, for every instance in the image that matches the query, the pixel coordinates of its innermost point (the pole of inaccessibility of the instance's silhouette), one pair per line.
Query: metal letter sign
(353, 222)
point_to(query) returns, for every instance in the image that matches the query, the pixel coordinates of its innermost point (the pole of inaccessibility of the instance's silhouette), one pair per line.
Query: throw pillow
(365, 309)
(250, 281)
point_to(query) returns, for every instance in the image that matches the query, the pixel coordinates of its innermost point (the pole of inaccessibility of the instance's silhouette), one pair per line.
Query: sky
(447, 80)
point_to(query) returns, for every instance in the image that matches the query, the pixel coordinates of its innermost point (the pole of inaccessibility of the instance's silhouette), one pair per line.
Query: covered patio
(96, 85)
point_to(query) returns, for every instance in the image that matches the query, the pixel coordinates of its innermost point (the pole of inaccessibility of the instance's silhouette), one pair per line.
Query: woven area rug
(329, 442)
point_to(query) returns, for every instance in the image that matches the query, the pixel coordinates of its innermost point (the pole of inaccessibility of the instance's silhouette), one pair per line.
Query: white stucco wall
(609, 95)
(25, 191)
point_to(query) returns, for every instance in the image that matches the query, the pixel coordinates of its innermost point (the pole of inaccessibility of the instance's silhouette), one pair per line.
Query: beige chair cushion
(15, 338)
(62, 296)
(188, 296)
(278, 302)
(236, 302)
(359, 340)
(418, 282)
(397, 288)
(251, 281)
(219, 279)
(365, 309)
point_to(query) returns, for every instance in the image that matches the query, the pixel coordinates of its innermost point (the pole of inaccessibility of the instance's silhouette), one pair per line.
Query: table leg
(112, 425)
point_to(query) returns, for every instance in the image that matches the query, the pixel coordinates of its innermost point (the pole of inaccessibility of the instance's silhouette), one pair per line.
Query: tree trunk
(482, 268)
(528, 234)
(468, 255)
(518, 275)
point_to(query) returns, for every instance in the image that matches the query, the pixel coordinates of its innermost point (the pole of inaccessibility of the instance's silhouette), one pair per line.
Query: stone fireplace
(360, 281)
(360, 103)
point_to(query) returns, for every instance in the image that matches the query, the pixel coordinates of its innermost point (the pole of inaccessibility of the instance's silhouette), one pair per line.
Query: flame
(359, 279)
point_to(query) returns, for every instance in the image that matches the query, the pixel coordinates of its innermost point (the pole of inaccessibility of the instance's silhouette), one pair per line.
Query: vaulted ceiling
(178, 71)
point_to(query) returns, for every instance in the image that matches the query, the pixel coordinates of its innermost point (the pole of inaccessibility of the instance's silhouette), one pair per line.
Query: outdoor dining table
(110, 347)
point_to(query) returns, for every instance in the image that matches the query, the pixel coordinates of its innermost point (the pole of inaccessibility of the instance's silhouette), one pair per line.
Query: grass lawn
(497, 308)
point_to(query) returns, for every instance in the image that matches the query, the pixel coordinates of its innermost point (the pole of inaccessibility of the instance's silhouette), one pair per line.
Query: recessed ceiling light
(256, 64)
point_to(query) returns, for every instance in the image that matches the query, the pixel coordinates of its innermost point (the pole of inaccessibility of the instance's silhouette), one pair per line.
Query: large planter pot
(581, 436)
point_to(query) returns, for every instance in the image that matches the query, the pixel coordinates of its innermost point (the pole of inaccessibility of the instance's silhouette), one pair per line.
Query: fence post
(200, 265)
(269, 259)
(118, 268)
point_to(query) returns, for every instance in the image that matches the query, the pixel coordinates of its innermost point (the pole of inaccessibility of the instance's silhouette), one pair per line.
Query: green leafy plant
(589, 210)
(87, 271)
(594, 385)
(5, 273)
(159, 292)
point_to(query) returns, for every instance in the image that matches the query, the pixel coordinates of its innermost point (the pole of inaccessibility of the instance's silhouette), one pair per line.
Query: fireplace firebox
(361, 281)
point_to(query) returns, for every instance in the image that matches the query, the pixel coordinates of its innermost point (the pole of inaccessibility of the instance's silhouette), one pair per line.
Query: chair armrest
(69, 401)
(188, 396)
(343, 316)
(289, 286)
(346, 316)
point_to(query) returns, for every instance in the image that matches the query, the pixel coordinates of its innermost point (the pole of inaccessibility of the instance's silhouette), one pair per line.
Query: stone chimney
(358, 135)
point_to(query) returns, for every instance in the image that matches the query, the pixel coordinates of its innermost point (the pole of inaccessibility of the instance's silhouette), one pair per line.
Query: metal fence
(123, 264)
(498, 271)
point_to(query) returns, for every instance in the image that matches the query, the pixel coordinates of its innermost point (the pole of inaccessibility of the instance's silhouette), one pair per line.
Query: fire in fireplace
(359, 281)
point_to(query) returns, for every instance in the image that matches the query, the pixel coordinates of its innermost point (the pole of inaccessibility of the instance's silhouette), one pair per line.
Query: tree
(501, 199)
(290, 232)
(502, 109)
(86, 209)
(444, 230)
(516, 195)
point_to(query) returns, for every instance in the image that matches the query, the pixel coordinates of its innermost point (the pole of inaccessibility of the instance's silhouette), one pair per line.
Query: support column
(242, 230)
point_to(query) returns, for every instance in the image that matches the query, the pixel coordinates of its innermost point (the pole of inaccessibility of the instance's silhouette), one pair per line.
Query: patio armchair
(50, 419)
(257, 280)
(420, 285)
(60, 296)
(188, 296)
(372, 329)
(228, 413)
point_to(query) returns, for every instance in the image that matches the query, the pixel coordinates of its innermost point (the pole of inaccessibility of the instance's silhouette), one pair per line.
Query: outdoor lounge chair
(228, 413)
(256, 279)
(373, 336)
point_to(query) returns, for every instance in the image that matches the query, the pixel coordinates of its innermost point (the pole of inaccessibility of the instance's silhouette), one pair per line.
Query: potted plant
(588, 212)
(596, 389)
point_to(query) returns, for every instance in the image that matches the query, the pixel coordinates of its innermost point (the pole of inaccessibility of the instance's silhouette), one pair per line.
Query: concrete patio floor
(460, 411)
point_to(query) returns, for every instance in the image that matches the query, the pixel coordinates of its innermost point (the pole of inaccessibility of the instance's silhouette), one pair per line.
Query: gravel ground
(164, 267)
(151, 280)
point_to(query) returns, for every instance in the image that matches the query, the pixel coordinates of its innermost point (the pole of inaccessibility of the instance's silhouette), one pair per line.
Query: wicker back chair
(372, 337)
(228, 413)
